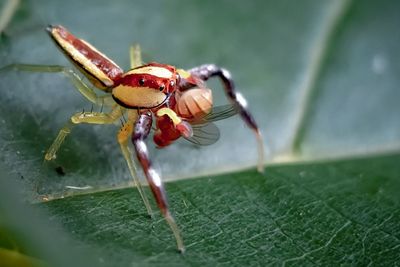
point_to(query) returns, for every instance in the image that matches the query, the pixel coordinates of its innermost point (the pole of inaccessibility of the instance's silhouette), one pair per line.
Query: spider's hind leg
(204, 72)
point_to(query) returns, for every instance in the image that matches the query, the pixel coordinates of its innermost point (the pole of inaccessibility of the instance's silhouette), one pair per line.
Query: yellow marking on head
(82, 59)
(159, 72)
(183, 73)
(170, 113)
(143, 97)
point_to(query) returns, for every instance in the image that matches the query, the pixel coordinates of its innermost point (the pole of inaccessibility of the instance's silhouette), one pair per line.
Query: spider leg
(204, 72)
(141, 131)
(123, 136)
(82, 117)
(135, 56)
(55, 146)
(82, 87)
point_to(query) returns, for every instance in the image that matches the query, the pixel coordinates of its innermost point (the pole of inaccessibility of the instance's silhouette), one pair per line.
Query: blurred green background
(322, 80)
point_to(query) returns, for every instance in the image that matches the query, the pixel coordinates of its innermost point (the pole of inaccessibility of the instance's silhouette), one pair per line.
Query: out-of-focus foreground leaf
(322, 79)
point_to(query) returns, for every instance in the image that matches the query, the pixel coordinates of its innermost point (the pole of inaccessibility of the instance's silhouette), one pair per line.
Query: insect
(175, 102)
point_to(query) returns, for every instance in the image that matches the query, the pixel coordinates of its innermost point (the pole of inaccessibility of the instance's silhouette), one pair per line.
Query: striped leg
(204, 72)
(123, 137)
(142, 130)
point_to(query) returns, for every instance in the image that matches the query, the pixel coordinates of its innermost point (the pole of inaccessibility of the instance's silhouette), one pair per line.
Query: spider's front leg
(204, 72)
(77, 82)
(141, 131)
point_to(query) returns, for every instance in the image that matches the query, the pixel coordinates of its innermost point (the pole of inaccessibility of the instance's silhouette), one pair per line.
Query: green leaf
(338, 213)
(321, 78)
(321, 214)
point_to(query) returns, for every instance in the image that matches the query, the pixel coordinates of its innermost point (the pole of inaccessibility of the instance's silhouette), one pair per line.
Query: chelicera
(177, 100)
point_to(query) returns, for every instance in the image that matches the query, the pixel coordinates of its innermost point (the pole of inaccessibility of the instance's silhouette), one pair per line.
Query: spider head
(145, 87)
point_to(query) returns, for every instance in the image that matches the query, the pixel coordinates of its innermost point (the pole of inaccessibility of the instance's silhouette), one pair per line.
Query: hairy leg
(83, 117)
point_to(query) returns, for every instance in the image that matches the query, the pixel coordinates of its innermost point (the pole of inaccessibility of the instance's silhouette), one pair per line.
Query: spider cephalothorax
(146, 86)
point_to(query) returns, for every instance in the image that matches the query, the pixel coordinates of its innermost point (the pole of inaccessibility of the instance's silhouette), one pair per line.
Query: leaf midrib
(280, 163)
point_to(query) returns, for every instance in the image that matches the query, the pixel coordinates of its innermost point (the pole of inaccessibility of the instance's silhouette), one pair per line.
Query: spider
(177, 100)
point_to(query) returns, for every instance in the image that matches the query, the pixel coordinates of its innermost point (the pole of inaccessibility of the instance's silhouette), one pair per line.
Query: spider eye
(141, 81)
(162, 87)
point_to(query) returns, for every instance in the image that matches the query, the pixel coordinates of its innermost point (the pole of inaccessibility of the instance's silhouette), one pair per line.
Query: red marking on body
(104, 64)
(150, 81)
(192, 81)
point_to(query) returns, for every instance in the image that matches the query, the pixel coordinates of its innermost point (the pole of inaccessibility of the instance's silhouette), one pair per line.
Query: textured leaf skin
(308, 214)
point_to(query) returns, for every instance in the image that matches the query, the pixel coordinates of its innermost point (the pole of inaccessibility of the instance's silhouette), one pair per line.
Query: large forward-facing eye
(162, 87)
(141, 82)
